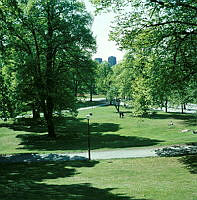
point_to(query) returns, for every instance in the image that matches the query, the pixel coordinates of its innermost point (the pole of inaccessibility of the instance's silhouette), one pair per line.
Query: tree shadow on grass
(190, 162)
(187, 118)
(29, 181)
(172, 115)
(72, 135)
(27, 124)
(98, 140)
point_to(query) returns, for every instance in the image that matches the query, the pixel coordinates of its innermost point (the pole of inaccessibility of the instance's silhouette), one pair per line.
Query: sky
(101, 29)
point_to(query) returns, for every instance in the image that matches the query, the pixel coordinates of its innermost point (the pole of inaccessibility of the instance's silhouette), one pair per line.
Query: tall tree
(104, 72)
(48, 35)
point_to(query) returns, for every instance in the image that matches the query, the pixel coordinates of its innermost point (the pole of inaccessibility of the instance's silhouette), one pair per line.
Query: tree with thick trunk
(48, 38)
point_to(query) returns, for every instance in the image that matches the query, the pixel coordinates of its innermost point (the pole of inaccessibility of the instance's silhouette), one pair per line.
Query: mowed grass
(118, 179)
(138, 132)
(108, 131)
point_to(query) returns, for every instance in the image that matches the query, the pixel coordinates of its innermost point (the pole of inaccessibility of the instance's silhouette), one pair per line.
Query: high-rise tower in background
(112, 60)
(99, 60)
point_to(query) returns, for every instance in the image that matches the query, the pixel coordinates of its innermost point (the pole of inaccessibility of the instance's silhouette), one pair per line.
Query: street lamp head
(87, 116)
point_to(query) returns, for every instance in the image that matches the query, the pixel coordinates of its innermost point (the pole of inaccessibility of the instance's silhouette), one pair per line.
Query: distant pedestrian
(121, 114)
(170, 123)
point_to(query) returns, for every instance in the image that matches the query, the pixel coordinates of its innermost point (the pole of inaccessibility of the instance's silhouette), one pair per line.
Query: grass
(118, 179)
(138, 132)
(108, 131)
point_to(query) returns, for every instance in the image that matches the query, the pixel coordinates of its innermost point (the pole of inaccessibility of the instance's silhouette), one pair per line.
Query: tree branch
(186, 5)
(174, 5)
(172, 22)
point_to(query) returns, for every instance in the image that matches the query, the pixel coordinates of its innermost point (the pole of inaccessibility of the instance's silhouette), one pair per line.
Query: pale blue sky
(101, 29)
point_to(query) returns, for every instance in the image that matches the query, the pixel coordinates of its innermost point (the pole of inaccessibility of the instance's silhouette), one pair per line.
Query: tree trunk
(166, 106)
(50, 80)
(48, 115)
(50, 126)
(117, 108)
(50, 123)
(36, 112)
(117, 105)
(91, 94)
(91, 90)
(182, 108)
(76, 87)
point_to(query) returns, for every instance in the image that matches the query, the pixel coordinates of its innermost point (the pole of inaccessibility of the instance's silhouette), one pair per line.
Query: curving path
(95, 155)
(141, 152)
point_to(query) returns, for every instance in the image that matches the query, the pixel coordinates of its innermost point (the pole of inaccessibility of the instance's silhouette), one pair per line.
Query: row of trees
(160, 38)
(45, 55)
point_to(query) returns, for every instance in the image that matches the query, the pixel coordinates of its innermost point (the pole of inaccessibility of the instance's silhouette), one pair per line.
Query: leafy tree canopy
(160, 37)
(46, 39)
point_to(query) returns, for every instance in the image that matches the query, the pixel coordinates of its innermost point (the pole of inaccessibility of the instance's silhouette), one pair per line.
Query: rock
(176, 151)
(185, 131)
(194, 132)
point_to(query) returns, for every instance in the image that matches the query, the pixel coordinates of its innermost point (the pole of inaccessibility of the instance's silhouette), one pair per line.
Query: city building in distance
(99, 60)
(112, 60)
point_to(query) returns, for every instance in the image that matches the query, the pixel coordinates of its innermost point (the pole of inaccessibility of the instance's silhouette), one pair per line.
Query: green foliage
(8, 107)
(103, 74)
(50, 43)
(122, 79)
(142, 99)
(160, 37)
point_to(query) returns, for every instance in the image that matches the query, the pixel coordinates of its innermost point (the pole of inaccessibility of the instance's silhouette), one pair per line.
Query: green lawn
(143, 131)
(108, 131)
(118, 179)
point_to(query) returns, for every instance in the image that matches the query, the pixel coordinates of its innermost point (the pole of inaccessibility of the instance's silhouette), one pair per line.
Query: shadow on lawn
(173, 115)
(25, 181)
(72, 135)
(190, 162)
(98, 140)
(27, 124)
(187, 118)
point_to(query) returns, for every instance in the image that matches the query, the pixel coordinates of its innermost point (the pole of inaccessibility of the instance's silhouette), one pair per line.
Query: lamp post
(88, 118)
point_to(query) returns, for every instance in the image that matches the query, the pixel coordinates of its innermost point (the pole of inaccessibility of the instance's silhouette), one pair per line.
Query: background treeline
(160, 38)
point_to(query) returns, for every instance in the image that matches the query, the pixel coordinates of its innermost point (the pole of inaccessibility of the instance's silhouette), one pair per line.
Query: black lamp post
(88, 118)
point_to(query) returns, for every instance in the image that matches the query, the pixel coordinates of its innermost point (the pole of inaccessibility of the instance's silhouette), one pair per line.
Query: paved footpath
(140, 152)
(95, 155)
(121, 153)
(91, 107)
